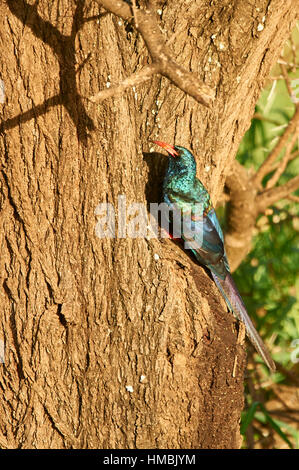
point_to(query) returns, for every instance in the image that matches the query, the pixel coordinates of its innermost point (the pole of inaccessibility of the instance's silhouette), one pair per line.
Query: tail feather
(235, 303)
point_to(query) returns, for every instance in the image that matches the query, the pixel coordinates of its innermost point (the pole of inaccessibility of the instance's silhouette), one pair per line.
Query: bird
(192, 208)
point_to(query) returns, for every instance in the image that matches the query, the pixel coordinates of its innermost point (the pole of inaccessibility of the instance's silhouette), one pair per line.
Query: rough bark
(84, 318)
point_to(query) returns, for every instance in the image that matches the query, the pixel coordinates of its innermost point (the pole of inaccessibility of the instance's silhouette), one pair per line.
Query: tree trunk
(117, 342)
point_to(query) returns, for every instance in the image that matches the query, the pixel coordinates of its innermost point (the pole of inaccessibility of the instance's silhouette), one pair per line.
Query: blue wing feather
(192, 211)
(203, 238)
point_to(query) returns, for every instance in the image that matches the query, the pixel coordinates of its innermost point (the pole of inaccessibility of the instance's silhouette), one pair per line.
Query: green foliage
(269, 283)
(258, 411)
(275, 108)
(268, 279)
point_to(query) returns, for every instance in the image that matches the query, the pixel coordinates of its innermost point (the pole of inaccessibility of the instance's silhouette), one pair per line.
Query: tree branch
(146, 24)
(244, 206)
(284, 161)
(270, 196)
(266, 167)
(293, 198)
(292, 157)
(286, 79)
(249, 198)
(239, 231)
(260, 117)
(135, 79)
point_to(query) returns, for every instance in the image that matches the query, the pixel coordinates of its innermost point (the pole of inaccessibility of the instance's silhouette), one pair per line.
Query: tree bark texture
(117, 343)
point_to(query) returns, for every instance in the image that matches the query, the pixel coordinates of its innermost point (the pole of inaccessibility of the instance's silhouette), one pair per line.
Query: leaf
(248, 417)
(275, 426)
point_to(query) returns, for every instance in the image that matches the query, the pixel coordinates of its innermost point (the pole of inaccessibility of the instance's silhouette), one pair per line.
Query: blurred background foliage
(268, 278)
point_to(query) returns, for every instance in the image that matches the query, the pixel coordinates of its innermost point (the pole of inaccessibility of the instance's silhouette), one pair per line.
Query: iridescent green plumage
(186, 193)
(181, 184)
(190, 202)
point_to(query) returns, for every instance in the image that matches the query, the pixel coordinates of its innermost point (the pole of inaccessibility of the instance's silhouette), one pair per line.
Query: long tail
(235, 303)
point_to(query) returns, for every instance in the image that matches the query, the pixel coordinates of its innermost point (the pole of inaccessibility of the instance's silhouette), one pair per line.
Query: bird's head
(181, 158)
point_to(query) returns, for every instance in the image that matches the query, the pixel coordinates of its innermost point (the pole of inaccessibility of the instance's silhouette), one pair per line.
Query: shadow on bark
(63, 48)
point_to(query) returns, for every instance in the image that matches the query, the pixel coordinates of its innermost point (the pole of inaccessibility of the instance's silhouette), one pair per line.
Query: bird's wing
(201, 237)
(215, 222)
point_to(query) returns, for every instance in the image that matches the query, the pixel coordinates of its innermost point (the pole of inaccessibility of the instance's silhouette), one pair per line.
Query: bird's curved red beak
(169, 148)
